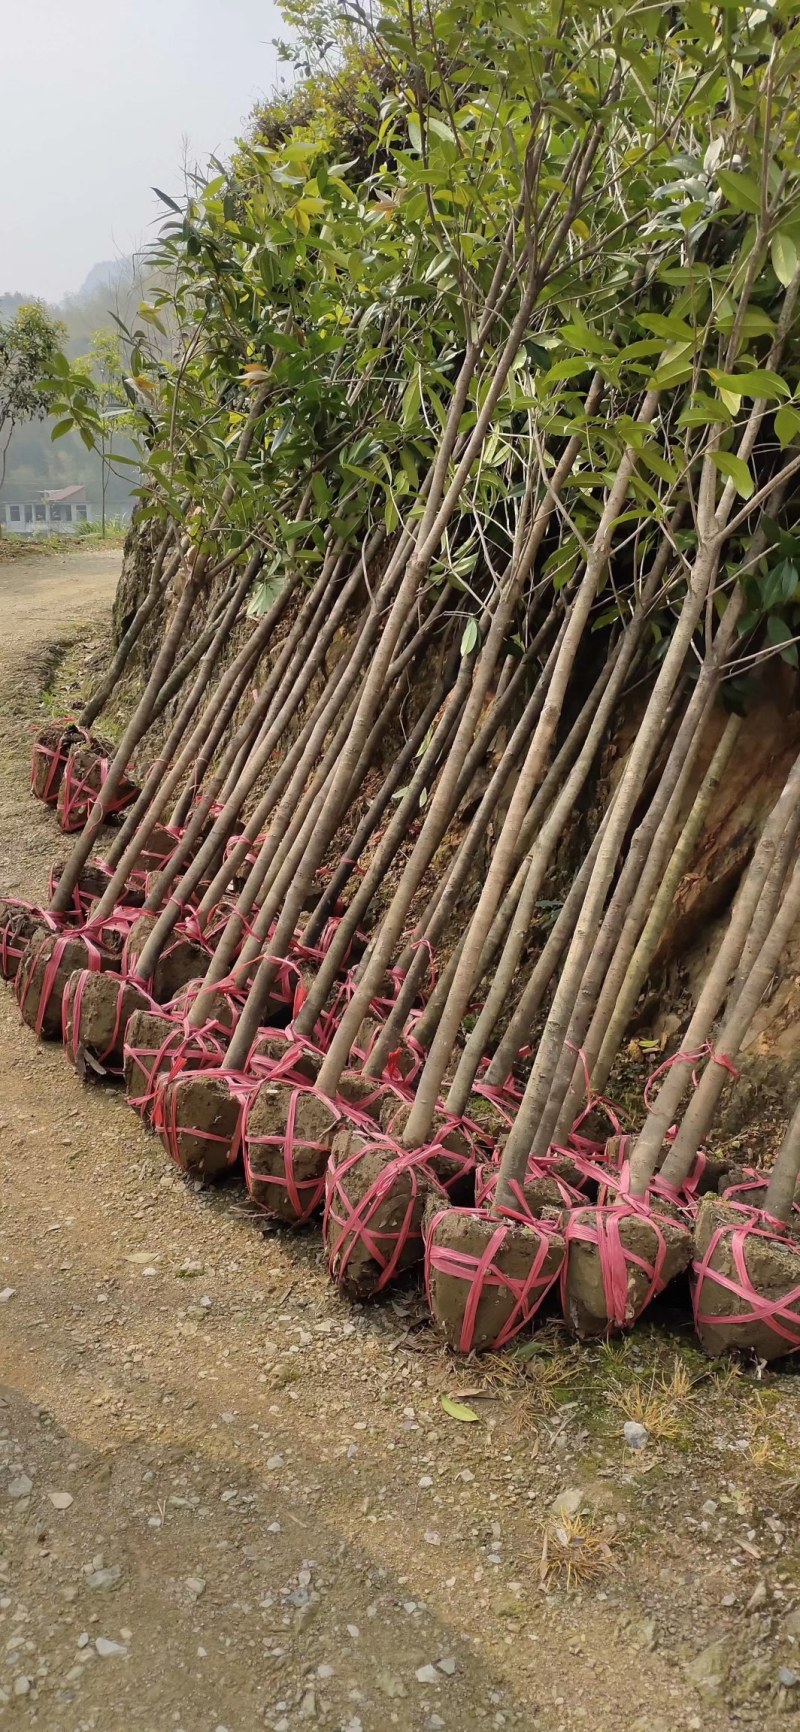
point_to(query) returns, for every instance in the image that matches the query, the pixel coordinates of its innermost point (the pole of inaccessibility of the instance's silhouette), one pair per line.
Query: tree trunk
(655, 923)
(661, 1115)
(781, 1187)
(421, 1115)
(699, 1114)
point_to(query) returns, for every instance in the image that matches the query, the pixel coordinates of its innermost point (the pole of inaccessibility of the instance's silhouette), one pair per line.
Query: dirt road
(229, 1502)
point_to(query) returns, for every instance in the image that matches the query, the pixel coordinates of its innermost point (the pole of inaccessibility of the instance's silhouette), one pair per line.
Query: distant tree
(29, 343)
(104, 372)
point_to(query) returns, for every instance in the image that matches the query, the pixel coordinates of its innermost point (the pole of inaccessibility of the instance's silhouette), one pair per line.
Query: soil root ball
(222, 1006)
(198, 1116)
(284, 1057)
(20, 922)
(530, 1198)
(745, 1281)
(375, 1198)
(42, 977)
(92, 884)
(404, 1062)
(618, 1258)
(182, 958)
(487, 1277)
(96, 1011)
(287, 1136)
(450, 1153)
(51, 748)
(155, 1046)
(85, 774)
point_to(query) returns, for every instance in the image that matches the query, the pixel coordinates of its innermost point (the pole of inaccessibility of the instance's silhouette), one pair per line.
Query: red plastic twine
(79, 796)
(688, 1058)
(179, 1046)
(94, 963)
(602, 1229)
(486, 1179)
(12, 949)
(304, 1195)
(165, 1115)
(54, 756)
(346, 1223)
(483, 1272)
(74, 994)
(777, 1313)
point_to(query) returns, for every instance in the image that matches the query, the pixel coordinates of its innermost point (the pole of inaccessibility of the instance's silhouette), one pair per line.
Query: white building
(59, 510)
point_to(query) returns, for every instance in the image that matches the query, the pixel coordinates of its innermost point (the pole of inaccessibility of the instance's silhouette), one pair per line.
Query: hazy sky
(99, 99)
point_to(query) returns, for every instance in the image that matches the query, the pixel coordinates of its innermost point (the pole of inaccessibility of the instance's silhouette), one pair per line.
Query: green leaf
(165, 199)
(676, 330)
(741, 190)
(470, 637)
(62, 427)
(415, 133)
(735, 469)
(783, 254)
(787, 424)
(760, 382)
(458, 1410)
(440, 129)
(779, 634)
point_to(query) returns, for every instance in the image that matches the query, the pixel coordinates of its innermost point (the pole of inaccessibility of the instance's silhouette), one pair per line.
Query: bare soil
(229, 1500)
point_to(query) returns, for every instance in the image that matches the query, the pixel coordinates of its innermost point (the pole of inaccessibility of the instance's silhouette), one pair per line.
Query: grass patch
(15, 547)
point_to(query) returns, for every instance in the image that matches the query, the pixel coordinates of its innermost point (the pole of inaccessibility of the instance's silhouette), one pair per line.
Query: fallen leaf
(457, 1410)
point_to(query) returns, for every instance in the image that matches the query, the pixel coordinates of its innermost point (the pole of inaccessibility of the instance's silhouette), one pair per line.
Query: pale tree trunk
(546, 842)
(714, 525)
(415, 958)
(664, 1110)
(608, 1023)
(520, 1028)
(421, 1115)
(781, 1187)
(163, 775)
(642, 869)
(206, 858)
(700, 1112)
(140, 720)
(638, 967)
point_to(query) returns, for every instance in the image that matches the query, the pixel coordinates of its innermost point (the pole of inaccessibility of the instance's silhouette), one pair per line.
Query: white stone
(110, 1650)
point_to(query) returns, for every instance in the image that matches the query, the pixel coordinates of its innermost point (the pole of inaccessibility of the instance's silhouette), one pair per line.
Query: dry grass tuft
(661, 1405)
(575, 1551)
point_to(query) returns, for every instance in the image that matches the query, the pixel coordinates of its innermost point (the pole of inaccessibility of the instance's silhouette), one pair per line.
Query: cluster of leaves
(29, 345)
(342, 264)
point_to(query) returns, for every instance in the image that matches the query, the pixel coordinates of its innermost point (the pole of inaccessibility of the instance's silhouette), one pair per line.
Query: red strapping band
(482, 1273)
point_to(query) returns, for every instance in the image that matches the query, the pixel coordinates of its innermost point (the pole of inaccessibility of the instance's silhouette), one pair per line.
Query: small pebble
(110, 1650)
(22, 1486)
(636, 1436)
